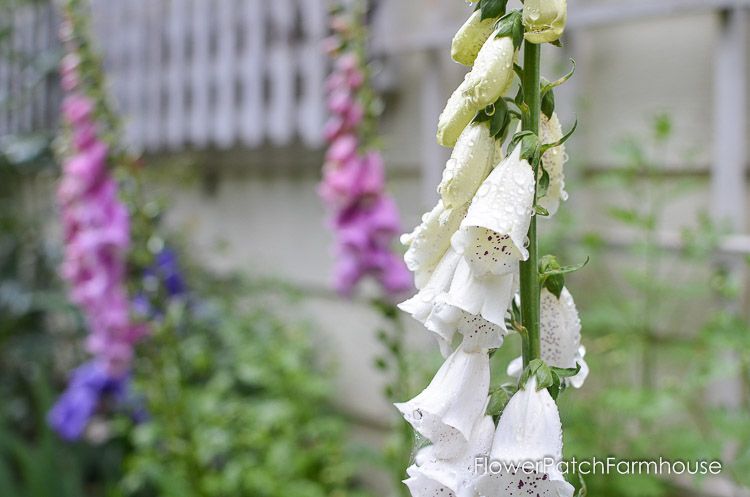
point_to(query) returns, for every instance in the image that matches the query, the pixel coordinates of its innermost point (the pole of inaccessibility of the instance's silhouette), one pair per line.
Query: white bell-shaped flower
(433, 477)
(430, 240)
(550, 131)
(489, 297)
(422, 306)
(560, 337)
(492, 236)
(454, 401)
(544, 20)
(529, 431)
(469, 164)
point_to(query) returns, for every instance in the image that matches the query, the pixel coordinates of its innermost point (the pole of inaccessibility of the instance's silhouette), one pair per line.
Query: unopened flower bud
(492, 75)
(469, 164)
(544, 20)
(455, 117)
(470, 38)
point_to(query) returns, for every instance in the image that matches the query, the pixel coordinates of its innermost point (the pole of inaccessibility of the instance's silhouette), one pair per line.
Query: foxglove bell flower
(452, 404)
(550, 131)
(471, 37)
(433, 477)
(560, 336)
(430, 240)
(529, 431)
(492, 236)
(468, 166)
(447, 315)
(544, 20)
(90, 382)
(489, 297)
(492, 75)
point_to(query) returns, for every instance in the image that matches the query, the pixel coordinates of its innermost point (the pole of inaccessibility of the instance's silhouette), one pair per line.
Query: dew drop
(483, 190)
(534, 14)
(490, 110)
(451, 164)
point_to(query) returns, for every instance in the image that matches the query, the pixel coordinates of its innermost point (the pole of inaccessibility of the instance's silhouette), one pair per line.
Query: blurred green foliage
(661, 335)
(237, 405)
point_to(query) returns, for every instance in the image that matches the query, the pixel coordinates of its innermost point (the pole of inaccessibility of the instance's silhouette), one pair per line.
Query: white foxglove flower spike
(492, 74)
(471, 37)
(544, 20)
(469, 164)
(433, 477)
(454, 401)
(492, 236)
(529, 430)
(560, 337)
(430, 240)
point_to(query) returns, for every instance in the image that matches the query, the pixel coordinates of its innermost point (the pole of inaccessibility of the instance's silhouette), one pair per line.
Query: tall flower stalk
(477, 267)
(363, 216)
(111, 252)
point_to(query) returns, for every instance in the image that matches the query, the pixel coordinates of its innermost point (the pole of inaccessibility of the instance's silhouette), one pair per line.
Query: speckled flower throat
(479, 274)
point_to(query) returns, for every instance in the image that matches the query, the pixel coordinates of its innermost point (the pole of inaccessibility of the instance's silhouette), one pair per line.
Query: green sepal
(481, 116)
(538, 368)
(548, 103)
(541, 211)
(562, 140)
(543, 186)
(511, 25)
(500, 118)
(499, 397)
(492, 8)
(552, 274)
(531, 147)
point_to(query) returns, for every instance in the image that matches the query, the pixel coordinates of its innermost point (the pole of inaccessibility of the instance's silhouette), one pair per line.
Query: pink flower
(77, 109)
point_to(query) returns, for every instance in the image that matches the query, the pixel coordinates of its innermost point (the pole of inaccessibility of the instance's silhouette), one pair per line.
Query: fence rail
(187, 73)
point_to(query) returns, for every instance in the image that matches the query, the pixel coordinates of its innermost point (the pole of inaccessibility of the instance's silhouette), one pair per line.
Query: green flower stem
(530, 286)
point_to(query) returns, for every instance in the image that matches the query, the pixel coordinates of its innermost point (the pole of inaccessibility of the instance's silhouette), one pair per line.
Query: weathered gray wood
(224, 127)
(178, 20)
(728, 186)
(281, 68)
(251, 60)
(200, 73)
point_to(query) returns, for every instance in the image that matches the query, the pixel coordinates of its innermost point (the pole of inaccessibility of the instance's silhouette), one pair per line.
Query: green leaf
(563, 139)
(492, 8)
(510, 25)
(530, 146)
(566, 372)
(547, 86)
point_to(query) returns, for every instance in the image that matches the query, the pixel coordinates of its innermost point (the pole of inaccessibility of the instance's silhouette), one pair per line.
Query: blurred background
(224, 101)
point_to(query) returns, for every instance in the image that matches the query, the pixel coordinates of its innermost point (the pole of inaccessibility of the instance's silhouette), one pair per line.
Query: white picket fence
(198, 73)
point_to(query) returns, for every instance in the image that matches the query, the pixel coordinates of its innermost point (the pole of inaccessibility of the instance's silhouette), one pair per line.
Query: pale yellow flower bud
(550, 131)
(492, 75)
(469, 164)
(470, 38)
(454, 118)
(544, 20)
